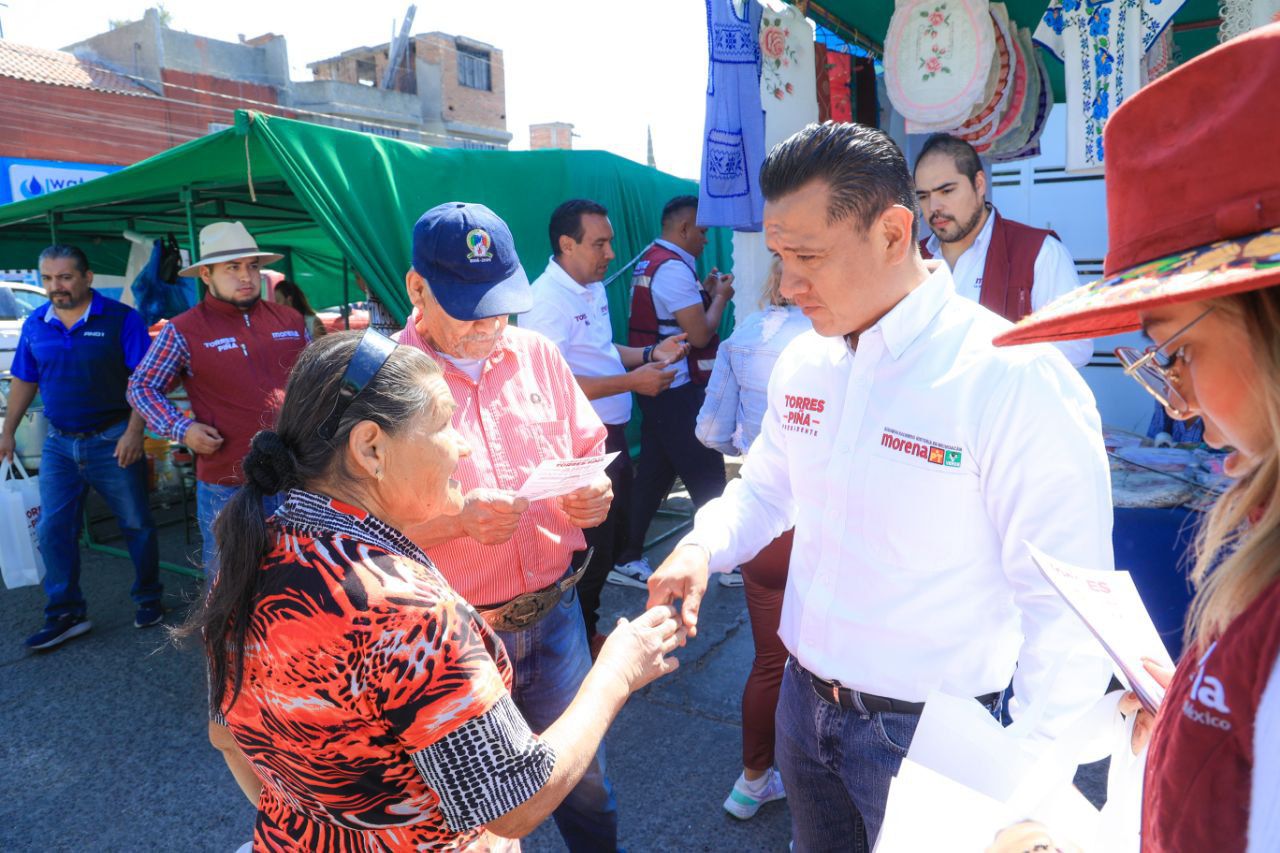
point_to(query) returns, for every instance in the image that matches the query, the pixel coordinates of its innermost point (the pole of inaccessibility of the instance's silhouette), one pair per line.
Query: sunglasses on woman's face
(1154, 369)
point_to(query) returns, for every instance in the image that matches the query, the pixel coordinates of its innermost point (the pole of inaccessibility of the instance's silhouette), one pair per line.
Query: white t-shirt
(473, 367)
(674, 288)
(575, 317)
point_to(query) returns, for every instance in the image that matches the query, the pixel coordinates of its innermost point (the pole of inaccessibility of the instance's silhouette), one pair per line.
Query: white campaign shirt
(674, 288)
(576, 319)
(912, 471)
(1055, 274)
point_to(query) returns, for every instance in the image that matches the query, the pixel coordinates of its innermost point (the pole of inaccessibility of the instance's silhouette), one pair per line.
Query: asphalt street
(104, 745)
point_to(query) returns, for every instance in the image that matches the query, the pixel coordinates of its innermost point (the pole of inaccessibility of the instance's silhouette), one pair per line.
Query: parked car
(17, 301)
(332, 317)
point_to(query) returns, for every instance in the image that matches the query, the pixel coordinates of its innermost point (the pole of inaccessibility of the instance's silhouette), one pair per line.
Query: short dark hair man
(1011, 268)
(571, 308)
(78, 351)
(913, 458)
(667, 299)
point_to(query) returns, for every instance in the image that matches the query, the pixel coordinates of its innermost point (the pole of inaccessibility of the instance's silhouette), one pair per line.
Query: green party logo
(952, 459)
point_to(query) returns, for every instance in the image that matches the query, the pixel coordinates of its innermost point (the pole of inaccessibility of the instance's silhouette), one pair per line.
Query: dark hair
(862, 166)
(293, 455)
(964, 155)
(59, 251)
(297, 299)
(566, 220)
(677, 204)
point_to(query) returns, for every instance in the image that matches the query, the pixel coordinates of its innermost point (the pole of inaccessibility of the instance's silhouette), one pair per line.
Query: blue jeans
(210, 499)
(836, 765)
(68, 467)
(550, 660)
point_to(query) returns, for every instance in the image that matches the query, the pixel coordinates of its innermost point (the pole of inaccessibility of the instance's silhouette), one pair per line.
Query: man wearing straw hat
(233, 353)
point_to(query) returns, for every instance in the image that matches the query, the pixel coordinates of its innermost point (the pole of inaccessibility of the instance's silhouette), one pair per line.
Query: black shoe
(151, 613)
(59, 629)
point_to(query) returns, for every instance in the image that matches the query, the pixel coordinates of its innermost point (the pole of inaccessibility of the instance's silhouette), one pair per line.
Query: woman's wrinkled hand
(637, 651)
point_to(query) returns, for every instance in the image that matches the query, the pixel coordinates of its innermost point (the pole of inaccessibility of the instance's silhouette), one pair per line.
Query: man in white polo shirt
(914, 460)
(571, 308)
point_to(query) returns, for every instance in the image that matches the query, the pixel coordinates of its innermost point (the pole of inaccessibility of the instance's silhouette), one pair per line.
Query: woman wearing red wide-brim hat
(1193, 203)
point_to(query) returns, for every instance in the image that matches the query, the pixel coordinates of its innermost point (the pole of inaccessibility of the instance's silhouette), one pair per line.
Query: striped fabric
(526, 407)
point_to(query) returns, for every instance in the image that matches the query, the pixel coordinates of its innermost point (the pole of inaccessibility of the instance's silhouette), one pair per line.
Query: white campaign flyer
(555, 477)
(1110, 606)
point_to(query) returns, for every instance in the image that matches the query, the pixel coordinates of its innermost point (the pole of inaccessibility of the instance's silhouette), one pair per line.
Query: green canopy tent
(866, 22)
(337, 202)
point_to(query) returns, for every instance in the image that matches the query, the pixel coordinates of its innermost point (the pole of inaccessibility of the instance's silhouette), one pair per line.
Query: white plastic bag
(20, 560)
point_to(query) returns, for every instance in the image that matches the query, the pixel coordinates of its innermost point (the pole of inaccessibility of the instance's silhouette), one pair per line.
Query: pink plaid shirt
(526, 407)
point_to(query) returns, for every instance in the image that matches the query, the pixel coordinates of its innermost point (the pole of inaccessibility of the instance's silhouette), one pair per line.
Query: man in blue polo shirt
(78, 351)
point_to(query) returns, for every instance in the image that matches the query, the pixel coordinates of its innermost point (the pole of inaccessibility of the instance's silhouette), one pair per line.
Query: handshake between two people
(639, 650)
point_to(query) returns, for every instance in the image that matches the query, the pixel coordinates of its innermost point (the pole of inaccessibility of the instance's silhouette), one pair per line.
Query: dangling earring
(378, 474)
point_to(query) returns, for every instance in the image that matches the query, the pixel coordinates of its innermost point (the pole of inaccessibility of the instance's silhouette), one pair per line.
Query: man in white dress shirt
(571, 308)
(913, 459)
(1007, 266)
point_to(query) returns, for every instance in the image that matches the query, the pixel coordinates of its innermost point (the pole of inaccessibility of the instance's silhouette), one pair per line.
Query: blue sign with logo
(23, 179)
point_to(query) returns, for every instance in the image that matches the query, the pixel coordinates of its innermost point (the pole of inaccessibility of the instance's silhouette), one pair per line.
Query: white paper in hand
(1109, 605)
(555, 477)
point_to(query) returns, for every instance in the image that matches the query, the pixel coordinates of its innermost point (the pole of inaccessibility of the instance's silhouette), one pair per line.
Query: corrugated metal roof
(58, 68)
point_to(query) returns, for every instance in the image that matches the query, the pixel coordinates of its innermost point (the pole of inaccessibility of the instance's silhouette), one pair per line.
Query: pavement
(105, 747)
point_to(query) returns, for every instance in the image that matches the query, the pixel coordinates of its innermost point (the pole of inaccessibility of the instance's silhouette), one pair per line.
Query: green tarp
(320, 195)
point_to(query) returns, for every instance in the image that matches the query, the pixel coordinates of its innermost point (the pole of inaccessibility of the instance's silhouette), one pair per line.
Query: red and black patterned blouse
(374, 704)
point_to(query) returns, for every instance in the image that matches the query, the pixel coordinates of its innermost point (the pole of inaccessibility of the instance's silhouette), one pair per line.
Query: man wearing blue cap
(517, 405)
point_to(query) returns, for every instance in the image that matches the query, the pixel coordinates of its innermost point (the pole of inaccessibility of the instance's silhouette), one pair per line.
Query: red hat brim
(1112, 305)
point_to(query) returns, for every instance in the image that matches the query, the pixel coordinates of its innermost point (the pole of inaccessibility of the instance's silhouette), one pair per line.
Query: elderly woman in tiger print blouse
(361, 704)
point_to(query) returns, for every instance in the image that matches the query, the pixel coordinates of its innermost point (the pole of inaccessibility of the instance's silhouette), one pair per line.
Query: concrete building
(141, 88)
(552, 134)
(447, 91)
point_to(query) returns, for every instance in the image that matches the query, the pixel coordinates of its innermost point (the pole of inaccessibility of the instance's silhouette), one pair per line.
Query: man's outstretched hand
(681, 577)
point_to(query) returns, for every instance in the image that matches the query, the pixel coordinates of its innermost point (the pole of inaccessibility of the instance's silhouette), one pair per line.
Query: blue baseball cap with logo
(468, 257)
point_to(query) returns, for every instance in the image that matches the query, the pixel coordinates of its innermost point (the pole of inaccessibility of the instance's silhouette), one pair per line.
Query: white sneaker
(733, 578)
(746, 798)
(635, 573)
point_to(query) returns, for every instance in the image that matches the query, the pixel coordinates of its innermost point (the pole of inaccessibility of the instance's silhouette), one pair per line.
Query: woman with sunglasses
(360, 702)
(1200, 274)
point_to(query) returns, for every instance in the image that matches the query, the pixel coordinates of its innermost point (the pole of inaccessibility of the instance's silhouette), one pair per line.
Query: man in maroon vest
(1009, 268)
(668, 299)
(233, 353)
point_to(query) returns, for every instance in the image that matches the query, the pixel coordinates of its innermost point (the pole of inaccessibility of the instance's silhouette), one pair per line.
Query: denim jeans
(210, 499)
(836, 765)
(550, 660)
(68, 467)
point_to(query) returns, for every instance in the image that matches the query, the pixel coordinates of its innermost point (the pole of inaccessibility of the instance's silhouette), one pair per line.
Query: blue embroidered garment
(733, 138)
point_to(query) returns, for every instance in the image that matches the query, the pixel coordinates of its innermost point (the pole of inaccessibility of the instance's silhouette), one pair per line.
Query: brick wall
(46, 122)
(463, 103)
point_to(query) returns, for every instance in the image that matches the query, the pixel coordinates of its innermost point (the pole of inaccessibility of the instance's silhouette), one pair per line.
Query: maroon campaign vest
(239, 364)
(1010, 270)
(647, 328)
(1196, 790)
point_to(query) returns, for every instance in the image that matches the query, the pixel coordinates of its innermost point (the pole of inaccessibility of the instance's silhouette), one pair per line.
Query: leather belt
(527, 610)
(90, 434)
(834, 693)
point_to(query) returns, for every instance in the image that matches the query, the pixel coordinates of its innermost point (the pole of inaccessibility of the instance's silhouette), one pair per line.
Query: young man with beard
(78, 351)
(233, 353)
(1010, 268)
(915, 461)
(571, 308)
